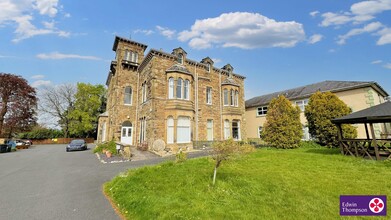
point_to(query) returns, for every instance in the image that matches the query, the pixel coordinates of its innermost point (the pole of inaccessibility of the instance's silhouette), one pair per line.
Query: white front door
(126, 135)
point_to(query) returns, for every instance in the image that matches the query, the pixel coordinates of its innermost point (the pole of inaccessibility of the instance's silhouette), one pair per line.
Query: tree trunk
(214, 175)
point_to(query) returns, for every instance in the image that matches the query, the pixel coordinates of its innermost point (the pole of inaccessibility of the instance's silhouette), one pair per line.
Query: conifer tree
(322, 107)
(282, 128)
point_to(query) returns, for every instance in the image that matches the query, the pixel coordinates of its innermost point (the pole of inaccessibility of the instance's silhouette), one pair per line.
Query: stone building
(357, 95)
(165, 101)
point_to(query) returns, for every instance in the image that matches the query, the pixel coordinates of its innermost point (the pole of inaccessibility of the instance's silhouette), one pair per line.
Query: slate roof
(375, 114)
(308, 90)
(178, 68)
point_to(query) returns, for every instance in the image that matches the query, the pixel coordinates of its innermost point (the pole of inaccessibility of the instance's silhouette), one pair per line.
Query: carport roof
(376, 114)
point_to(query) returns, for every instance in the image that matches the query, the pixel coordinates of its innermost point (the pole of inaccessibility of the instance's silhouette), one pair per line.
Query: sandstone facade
(166, 102)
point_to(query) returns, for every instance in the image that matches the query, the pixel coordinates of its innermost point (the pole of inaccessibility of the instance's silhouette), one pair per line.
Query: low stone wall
(60, 141)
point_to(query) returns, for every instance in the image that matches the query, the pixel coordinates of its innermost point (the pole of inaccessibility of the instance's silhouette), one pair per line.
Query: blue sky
(276, 44)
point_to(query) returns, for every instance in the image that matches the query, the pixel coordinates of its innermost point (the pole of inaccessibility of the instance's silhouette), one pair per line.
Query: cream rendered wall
(357, 99)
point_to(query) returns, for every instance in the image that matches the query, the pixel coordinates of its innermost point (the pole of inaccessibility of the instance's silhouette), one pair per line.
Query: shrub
(41, 133)
(322, 107)
(282, 128)
(227, 150)
(309, 144)
(110, 146)
(181, 157)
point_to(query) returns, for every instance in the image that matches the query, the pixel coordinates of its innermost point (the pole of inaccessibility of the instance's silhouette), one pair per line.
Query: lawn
(268, 184)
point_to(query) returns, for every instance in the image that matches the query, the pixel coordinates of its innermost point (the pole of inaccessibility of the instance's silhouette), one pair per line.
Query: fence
(60, 140)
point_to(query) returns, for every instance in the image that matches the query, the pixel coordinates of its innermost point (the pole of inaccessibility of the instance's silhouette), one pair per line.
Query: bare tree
(58, 102)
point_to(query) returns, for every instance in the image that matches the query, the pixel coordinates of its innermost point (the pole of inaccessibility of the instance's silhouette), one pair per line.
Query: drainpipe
(221, 109)
(196, 100)
(137, 106)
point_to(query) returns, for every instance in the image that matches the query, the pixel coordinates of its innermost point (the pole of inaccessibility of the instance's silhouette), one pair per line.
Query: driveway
(45, 182)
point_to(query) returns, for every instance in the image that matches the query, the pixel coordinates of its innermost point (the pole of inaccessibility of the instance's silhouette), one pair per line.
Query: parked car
(28, 142)
(77, 144)
(20, 143)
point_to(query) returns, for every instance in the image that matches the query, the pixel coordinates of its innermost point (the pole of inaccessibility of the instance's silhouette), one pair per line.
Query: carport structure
(371, 146)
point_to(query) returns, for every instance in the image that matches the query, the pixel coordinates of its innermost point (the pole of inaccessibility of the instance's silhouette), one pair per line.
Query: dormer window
(180, 58)
(208, 67)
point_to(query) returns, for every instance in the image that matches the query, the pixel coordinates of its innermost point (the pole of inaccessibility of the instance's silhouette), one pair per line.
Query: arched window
(127, 55)
(183, 130)
(226, 97)
(170, 130)
(128, 95)
(171, 88)
(180, 58)
(236, 98)
(179, 88)
(227, 132)
(232, 97)
(134, 57)
(186, 90)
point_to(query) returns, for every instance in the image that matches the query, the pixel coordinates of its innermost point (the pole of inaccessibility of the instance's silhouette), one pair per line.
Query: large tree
(322, 107)
(282, 128)
(17, 104)
(58, 102)
(89, 100)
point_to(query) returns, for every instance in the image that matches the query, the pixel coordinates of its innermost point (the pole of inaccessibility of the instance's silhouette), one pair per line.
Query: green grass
(269, 184)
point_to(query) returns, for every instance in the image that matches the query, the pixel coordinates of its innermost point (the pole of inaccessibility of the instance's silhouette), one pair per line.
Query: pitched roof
(375, 114)
(308, 90)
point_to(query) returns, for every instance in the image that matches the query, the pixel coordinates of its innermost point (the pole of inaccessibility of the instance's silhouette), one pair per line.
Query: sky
(276, 45)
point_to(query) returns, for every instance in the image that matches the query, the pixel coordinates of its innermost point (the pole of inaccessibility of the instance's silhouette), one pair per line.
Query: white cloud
(387, 66)
(40, 83)
(46, 7)
(314, 13)
(376, 62)
(145, 32)
(67, 15)
(315, 38)
(20, 14)
(330, 18)
(374, 26)
(385, 36)
(216, 60)
(37, 77)
(371, 7)
(166, 32)
(60, 56)
(243, 30)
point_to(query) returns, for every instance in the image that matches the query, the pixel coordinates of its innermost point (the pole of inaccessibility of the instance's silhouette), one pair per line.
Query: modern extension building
(165, 101)
(357, 95)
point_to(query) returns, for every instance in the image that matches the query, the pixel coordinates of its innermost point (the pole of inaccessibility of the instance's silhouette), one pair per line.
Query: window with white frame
(227, 129)
(171, 88)
(144, 92)
(183, 130)
(128, 95)
(143, 130)
(225, 97)
(128, 55)
(209, 95)
(186, 89)
(232, 97)
(134, 57)
(209, 129)
(262, 111)
(236, 98)
(260, 131)
(302, 104)
(236, 130)
(179, 88)
(170, 130)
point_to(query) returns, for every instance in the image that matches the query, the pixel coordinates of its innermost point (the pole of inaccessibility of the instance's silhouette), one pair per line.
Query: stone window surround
(232, 97)
(130, 56)
(176, 77)
(209, 95)
(174, 119)
(131, 96)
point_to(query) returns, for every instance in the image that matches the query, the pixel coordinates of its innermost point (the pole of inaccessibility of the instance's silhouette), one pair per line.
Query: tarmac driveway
(45, 182)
